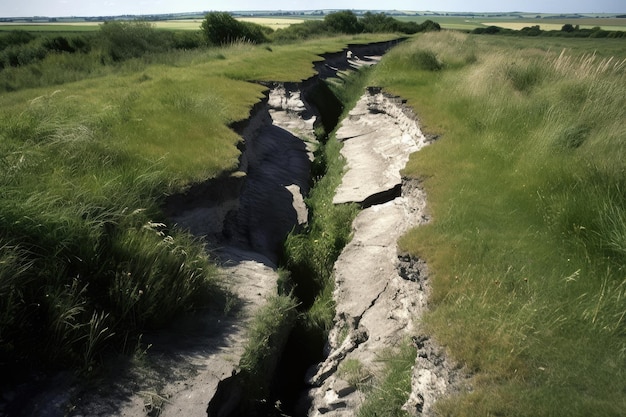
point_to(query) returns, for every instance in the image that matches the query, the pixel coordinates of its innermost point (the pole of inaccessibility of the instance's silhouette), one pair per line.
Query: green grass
(266, 339)
(526, 189)
(311, 255)
(51, 27)
(389, 391)
(88, 152)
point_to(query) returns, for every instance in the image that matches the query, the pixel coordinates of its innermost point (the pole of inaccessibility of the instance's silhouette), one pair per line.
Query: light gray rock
(377, 292)
(378, 136)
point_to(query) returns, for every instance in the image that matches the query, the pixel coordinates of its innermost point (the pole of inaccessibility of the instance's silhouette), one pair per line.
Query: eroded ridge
(378, 136)
(379, 295)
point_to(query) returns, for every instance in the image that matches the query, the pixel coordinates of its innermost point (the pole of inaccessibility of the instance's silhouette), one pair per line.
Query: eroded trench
(248, 214)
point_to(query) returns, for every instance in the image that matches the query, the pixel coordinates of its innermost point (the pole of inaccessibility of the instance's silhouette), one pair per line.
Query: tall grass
(87, 153)
(390, 391)
(526, 246)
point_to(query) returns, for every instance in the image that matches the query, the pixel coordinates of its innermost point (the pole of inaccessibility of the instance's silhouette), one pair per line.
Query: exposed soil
(380, 294)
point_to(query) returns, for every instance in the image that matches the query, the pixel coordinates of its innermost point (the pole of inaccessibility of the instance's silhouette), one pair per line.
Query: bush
(15, 37)
(220, 28)
(344, 22)
(305, 30)
(125, 40)
(188, 40)
(58, 44)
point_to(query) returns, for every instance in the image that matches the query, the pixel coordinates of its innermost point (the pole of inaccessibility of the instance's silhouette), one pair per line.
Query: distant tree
(568, 28)
(380, 22)
(220, 28)
(344, 22)
(125, 40)
(531, 31)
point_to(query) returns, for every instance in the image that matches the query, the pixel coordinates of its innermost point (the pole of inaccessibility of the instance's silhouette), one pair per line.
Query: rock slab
(379, 294)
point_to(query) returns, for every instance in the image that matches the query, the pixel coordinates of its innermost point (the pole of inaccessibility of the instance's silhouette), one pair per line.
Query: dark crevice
(304, 345)
(382, 197)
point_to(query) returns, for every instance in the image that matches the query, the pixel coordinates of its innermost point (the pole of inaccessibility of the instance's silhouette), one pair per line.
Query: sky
(60, 8)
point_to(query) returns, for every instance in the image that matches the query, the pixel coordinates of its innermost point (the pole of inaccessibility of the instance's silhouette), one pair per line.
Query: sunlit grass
(87, 154)
(526, 187)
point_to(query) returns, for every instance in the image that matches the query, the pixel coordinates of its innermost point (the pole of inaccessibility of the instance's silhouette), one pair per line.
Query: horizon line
(304, 11)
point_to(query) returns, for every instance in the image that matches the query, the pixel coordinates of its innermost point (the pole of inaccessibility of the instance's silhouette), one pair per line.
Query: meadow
(527, 244)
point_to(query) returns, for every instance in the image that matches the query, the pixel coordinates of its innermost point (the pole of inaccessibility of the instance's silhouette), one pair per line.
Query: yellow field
(273, 22)
(187, 24)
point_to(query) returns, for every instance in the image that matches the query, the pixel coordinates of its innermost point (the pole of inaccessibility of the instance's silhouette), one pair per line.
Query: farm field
(557, 24)
(272, 22)
(281, 22)
(183, 24)
(517, 23)
(51, 27)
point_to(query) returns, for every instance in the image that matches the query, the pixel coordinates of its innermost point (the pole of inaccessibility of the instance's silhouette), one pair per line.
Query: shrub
(344, 22)
(221, 28)
(525, 76)
(125, 40)
(429, 26)
(58, 44)
(188, 40)
(305, 30)
(15, 37)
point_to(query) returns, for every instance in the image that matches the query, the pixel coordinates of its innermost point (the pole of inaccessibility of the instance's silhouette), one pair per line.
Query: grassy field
(527, 245)
(51, 27)
(182, 24)
(468, 23)
(557, 24)
(526, 187)
(86, 260)
(277, 22)
(186, 24)
(272, 22)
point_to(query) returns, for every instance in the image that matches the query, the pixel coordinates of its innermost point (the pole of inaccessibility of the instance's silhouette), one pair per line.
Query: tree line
(118, 40)
(568, 30)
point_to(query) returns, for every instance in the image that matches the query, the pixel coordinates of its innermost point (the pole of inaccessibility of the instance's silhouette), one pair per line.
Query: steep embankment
(245, 216)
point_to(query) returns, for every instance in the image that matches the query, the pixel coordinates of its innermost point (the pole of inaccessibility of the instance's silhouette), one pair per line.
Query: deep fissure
(304, 346)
